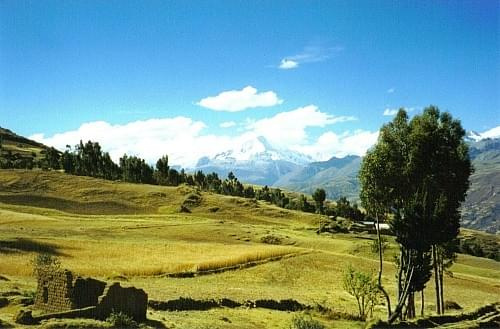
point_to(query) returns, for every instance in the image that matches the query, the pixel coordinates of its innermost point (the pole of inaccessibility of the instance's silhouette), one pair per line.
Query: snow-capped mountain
(255, 160)
(256, 149)
(473, 136)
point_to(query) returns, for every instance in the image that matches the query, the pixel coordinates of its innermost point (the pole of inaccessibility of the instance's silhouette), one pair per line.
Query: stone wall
(131, 301)
(54, 291)
(57, 292)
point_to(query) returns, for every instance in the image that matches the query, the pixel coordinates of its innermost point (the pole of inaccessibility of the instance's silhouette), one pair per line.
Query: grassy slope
(110, 229)
(21, 146)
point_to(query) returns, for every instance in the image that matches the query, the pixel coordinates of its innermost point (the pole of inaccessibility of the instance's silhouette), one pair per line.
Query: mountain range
(258, 162)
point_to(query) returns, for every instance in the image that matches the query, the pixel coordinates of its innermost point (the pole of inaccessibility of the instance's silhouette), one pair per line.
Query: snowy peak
(257, 149)
(473, 136)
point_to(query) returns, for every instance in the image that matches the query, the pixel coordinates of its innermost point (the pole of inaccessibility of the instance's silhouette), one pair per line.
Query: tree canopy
(419, 171)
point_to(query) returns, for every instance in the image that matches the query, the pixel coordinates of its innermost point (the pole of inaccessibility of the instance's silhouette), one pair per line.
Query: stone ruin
(62, 295)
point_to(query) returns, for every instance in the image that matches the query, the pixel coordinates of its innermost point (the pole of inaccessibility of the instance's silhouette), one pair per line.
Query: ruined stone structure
(58, 291)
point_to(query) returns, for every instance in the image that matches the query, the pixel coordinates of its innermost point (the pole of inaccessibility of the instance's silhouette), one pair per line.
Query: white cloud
(310, 54)
(185, 141)
(289, 128)
(287, 64)
(331, 144)
(239, 100)
(227, 124)
(390, 112)
(391, 90)
(179, 137)
(492, 133)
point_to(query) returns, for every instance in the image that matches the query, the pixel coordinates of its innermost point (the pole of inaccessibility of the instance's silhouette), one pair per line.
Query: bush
(451, 305)
(271, 239)
(363, 287)
(374, 245)
(305, 322)
(45, 262)
(121, 320)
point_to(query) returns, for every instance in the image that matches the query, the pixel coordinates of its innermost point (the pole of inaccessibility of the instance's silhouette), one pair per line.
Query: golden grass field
(135, 233)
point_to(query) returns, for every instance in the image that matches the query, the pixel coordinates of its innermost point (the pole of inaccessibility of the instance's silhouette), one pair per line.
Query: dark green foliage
(89, 160)
(343, 208)
(419, 169)
(319, 197)
(136, 170)
(301, 321)
(45, 262)
(121, 320)
(479, 246)
(162, 168)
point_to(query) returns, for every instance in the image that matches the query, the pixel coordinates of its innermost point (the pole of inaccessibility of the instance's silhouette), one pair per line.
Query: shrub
(305, 322)
(363, 287)
(452, 305)
(45, 262)
(271, 239)
(121, 320)
(374, 245)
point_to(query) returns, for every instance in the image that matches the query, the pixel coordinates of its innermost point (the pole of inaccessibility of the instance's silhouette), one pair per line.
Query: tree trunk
(436, 279)
(441, 285)
(398, 310)
(422, 304)
(380, 268)
(411, 305)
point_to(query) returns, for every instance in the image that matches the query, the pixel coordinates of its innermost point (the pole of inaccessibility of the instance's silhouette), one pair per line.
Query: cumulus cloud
(239, 100)
(331, 144)
(391, 90)
(289, 128)
(287, 64)
(179, 137)
(185, 140)
(227, 124)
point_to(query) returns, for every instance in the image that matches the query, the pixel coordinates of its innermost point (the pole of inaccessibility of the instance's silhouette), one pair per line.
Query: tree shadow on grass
(21, 245)
(155, 324)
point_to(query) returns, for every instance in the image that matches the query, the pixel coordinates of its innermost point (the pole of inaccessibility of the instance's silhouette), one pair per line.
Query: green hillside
(20, 152)
(482, 206)
(138, 234)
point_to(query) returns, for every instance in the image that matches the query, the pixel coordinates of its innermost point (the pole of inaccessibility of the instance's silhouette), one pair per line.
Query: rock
(4, 301)
(24, 317)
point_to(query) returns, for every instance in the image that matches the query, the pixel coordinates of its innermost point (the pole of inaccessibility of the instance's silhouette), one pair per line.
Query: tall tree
(319, 197)
(161, 173)
(423, 165)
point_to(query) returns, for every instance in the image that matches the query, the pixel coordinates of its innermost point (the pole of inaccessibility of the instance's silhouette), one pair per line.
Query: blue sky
(112, 66)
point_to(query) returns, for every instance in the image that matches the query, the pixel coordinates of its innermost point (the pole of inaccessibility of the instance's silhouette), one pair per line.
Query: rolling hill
(258, 162)
(19, 150)
(236, 249)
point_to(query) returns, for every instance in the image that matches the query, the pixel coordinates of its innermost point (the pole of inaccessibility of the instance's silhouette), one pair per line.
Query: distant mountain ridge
(258, 162)
(338, 176)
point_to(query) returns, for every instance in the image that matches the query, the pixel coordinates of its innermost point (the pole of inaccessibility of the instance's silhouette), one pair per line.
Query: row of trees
(90, 160)
(416, 177)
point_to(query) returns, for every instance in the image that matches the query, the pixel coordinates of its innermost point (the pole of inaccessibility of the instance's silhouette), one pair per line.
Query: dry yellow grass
(104, 258)
(141, 246)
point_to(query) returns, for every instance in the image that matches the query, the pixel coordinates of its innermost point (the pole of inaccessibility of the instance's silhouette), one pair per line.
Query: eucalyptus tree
(418, 171)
